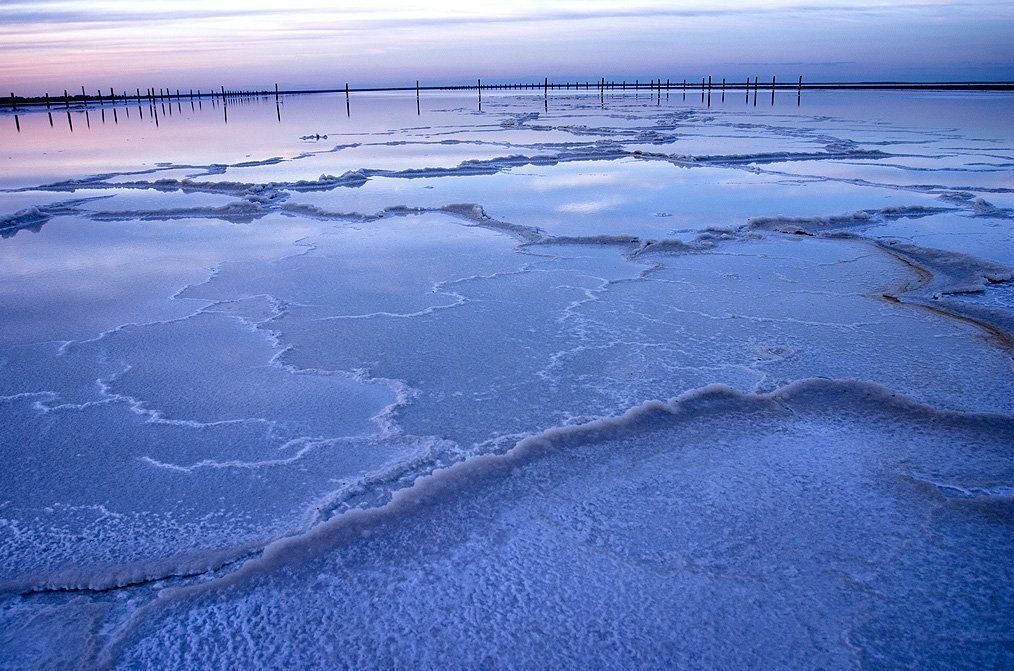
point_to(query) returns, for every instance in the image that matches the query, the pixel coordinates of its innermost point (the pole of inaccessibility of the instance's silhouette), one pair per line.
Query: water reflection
(164, 104)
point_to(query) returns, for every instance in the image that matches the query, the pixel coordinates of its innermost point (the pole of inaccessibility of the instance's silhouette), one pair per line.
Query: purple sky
(57, 44)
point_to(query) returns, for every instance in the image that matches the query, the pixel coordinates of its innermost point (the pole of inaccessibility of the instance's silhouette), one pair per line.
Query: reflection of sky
(58, 44)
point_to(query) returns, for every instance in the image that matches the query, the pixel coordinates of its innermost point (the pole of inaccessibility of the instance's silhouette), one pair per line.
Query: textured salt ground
(829, 525)
(287, 295)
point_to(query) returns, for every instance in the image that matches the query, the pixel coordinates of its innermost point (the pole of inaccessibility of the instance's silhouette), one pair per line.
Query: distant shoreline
(13, 102)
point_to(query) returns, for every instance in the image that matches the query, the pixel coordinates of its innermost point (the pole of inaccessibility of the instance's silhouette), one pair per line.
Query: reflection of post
(70, 122)
(17, 123)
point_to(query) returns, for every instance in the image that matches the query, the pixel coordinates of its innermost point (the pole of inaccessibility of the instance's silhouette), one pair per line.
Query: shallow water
(384, 386)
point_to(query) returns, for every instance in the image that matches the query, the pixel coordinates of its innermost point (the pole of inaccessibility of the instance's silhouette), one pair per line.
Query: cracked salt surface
(385, 399)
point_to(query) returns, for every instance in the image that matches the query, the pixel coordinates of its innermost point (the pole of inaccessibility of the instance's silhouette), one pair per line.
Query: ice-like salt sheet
(631, 196)
(76, 279)
(309, 385)
(829, 525)
(988, 238)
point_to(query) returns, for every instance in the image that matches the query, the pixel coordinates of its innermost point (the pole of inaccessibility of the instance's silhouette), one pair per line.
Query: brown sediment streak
(997, 334)
(925, 275)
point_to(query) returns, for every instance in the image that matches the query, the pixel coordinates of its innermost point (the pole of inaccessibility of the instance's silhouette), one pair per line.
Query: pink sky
(57, 44)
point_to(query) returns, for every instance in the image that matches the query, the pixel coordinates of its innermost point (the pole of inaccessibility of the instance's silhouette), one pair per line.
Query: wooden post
(14, 103)
(709, 83)
(112, 95)
(417, 89)
(99, 96)
(276, 92)
(223, 94)
(772, 90)
(47, 103)
(66, 99)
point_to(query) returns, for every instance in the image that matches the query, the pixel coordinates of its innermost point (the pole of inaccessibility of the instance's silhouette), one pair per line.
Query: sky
(50, 45)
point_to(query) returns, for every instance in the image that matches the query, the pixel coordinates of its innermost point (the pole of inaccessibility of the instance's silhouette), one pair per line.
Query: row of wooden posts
(602, 85)
(151, 94)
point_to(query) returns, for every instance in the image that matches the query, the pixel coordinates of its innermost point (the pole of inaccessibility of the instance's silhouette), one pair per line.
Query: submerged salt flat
(306, 386)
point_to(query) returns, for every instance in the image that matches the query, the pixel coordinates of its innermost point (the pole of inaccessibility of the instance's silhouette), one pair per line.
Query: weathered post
(14, 102)
(276, 93)
(66, 99)
(47, 104)
(772, 91)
